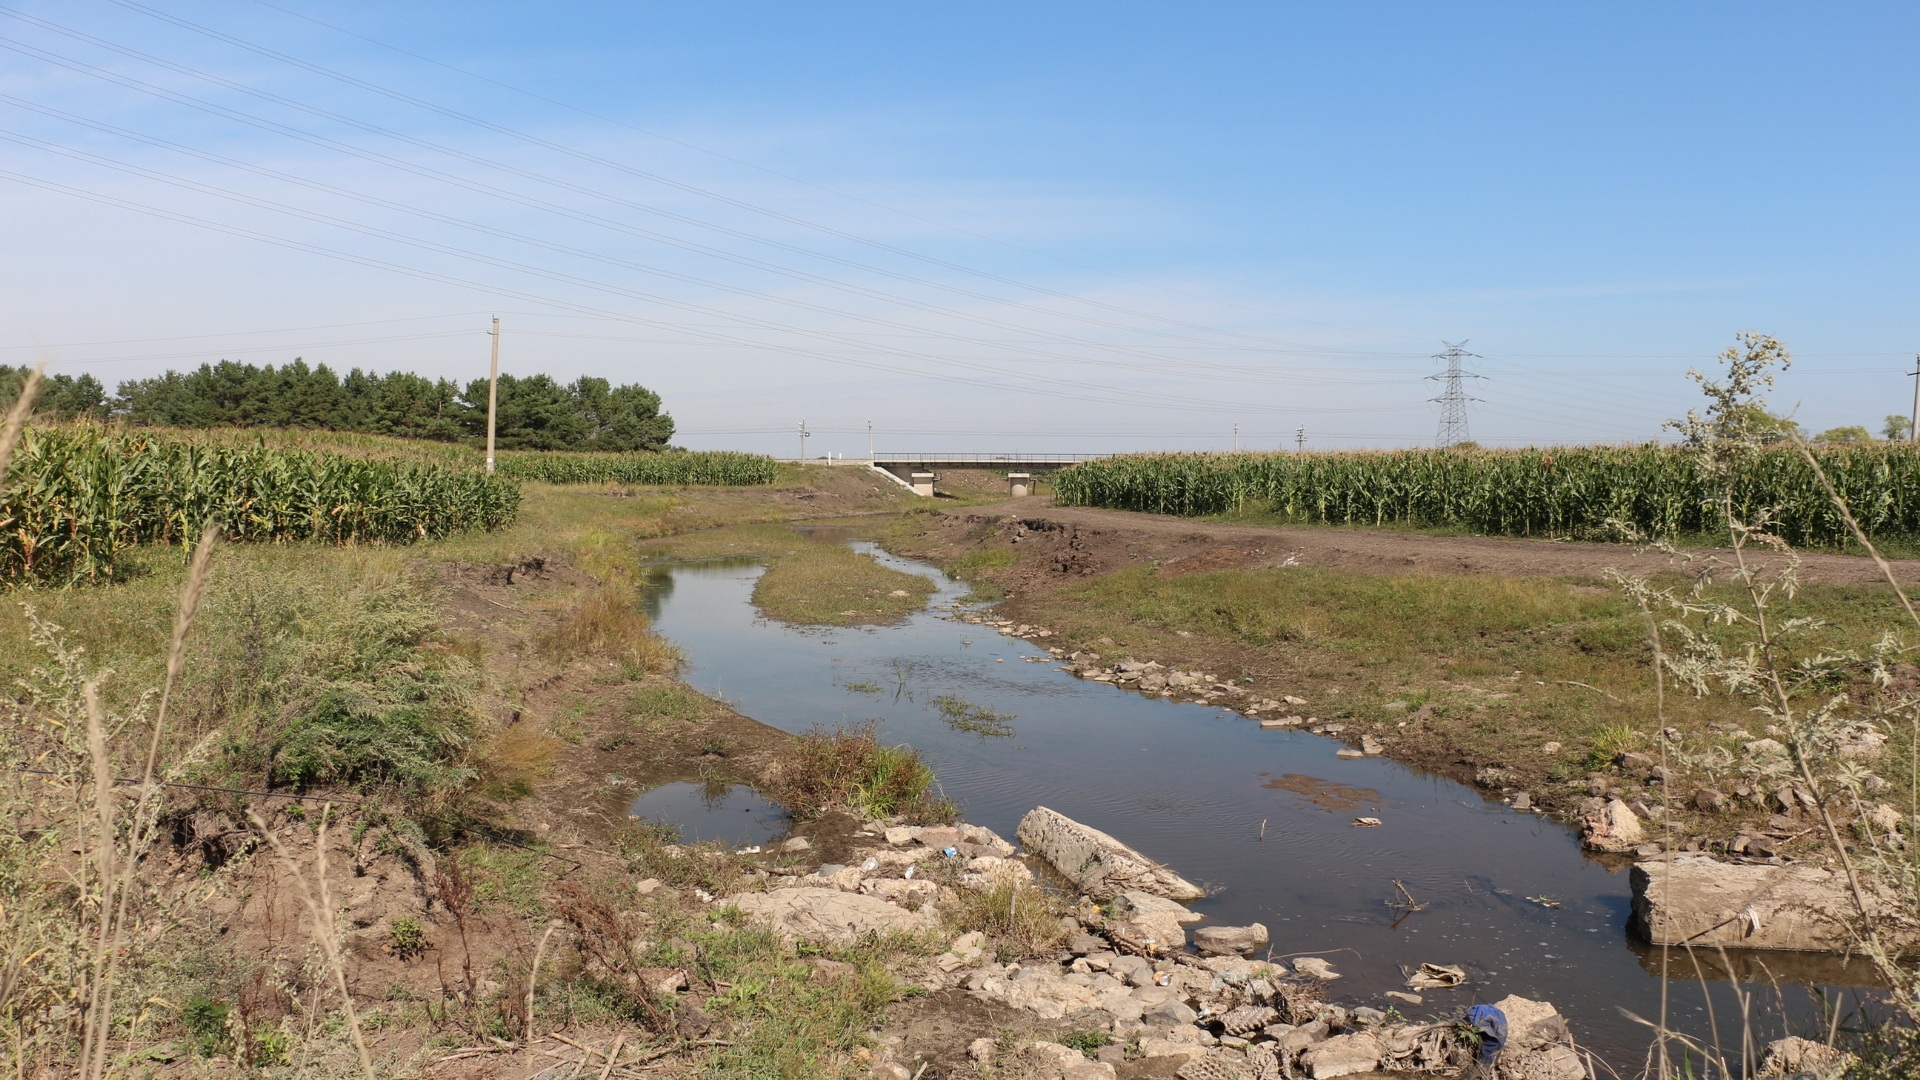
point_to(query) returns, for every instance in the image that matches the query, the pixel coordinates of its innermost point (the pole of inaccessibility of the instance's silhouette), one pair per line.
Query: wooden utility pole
(493, 385)
(1913, 422)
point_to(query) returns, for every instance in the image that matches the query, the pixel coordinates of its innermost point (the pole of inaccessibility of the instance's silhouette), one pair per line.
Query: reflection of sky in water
(1193, 786)
(735, 814)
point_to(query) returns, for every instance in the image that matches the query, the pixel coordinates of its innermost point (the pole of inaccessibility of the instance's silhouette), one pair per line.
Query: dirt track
(1171, 539)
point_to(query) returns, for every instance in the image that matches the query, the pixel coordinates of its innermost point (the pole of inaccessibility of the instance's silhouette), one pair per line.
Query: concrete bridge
(918, 472)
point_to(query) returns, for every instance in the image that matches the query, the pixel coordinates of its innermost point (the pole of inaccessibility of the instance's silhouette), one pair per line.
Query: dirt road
(1197, 545)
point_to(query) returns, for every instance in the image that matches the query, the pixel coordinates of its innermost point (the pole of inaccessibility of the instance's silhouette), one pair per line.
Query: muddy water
(1509, 896)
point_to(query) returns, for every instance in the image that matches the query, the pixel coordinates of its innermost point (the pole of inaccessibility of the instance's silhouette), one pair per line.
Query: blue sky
(1004, 227)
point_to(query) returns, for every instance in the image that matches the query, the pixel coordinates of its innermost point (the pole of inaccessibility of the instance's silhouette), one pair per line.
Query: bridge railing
(986, 459)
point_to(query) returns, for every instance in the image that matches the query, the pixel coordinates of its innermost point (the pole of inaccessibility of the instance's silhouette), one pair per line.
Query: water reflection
(709, 811)
(1262, 817)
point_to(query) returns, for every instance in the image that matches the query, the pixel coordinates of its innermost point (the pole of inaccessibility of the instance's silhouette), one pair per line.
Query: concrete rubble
(1099, 865)
(1124, 968)
(1699, 901)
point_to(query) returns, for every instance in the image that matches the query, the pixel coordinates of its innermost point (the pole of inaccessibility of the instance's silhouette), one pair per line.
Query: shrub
(850, 769)
(1021, 920)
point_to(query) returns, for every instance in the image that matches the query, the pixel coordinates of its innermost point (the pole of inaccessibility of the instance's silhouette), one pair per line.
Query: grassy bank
(1518, 683)
(477, 708)
(812, 577)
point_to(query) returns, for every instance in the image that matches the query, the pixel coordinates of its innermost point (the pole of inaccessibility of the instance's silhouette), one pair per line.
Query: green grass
(963, 715)
(787, 1021)
(1509, 664)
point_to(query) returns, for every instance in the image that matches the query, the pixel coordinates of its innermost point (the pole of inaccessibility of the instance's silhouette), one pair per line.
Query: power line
(1453, 400)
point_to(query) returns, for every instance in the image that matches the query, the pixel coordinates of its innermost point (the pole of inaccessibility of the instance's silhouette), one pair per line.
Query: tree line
(536, 412)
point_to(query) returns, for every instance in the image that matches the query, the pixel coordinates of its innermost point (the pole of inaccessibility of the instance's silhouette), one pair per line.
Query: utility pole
(1913, 422)
(869, 442)
(493, 385)
(803, 440)
(1300, 439)
(1453, 400)
(1236, 438)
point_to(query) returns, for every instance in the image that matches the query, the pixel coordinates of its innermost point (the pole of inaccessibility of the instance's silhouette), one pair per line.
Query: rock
(890, 1070)
(986, 838)
(1348, 752)
(1709, 801)
(1632, 762)
(1615, 828)
(1081, 944)
(1036, 990)
(939, 838)
(827, 972)
(1531, 1025)
(664, 980)
(693, 1021)
(1156, 1049)
(1885, 817)
(1707, 904)
(1230, 940)
(647, 886)
(1552, 1063)
(1550, 748)
(982, 1050)
(1169, 1013)
(1315, 968)
(829, 915)
(1090, 1070)
(1342, 1055)
(1132, 970)
(1402, 995)
(1155, 920)
(1793, 1054)
(1100, 865)
(1523, 802)
(1765, 748)
(1055, 1055)
(902, 835)
(1371, 746)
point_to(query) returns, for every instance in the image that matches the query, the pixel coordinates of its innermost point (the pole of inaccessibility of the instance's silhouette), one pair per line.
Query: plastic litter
(909, 874)
(950, 852)
(1436, 977)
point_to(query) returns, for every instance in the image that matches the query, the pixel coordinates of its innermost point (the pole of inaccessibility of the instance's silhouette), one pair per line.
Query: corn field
(725, 468)
(79, 496)
(1562, 492)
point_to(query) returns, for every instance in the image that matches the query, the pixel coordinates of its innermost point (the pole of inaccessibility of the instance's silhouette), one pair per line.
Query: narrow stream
(1508, 895)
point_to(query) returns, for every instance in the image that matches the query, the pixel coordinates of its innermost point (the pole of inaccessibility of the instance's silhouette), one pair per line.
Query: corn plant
(724, 468)
(79, 496)
(1562, 492)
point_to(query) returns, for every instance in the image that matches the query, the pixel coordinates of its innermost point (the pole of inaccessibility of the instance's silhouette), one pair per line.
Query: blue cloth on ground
(1491, 1023)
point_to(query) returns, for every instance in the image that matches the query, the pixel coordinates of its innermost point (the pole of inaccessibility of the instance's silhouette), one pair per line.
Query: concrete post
(1019, 484)
(923, 484)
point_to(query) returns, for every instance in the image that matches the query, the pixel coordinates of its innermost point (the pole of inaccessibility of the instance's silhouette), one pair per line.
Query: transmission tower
(1453, 400)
